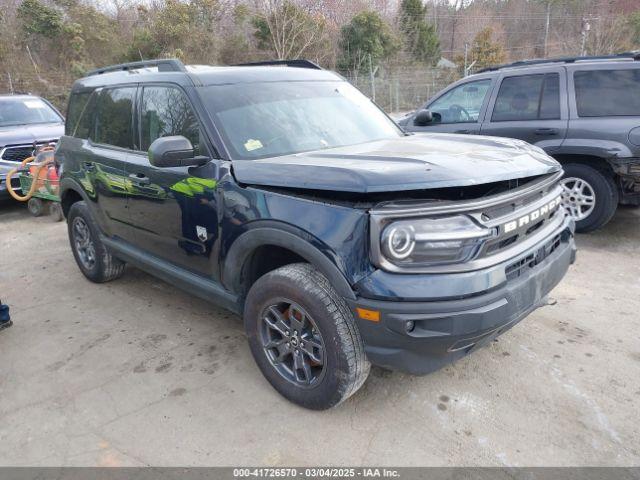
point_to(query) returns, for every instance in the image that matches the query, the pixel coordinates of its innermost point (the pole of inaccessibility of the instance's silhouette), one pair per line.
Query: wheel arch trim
(246, 244)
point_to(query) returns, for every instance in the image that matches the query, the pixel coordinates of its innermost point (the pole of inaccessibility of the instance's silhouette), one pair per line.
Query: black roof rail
(163, 64)
(299, 63)
(540, 61)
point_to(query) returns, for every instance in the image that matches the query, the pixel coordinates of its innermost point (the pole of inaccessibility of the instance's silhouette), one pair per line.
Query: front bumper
(15, 182)
(447, 329)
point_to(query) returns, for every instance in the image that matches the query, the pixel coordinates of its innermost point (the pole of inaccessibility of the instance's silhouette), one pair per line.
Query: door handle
(89, 166)
(546, 131)
(466, 131)
(139, 178)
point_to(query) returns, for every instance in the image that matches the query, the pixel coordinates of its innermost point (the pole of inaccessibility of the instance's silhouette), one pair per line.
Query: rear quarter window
(607, 93)
(77, 103)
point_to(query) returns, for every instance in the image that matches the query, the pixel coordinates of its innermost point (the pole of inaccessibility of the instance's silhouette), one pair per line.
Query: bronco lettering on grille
(531, 217)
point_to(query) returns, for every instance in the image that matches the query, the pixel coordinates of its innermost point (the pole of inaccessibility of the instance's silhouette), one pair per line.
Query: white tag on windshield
(34, 104)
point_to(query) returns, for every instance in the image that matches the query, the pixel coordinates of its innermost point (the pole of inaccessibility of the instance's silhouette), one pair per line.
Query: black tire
(55, 210)
(345, 366)
(94, 260)
(35, 206)
(605, 192)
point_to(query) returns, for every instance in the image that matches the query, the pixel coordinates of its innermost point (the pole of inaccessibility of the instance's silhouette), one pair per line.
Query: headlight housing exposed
(427, 242)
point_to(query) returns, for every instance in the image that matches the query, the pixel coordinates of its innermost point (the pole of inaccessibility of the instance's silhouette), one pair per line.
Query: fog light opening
(409, 326)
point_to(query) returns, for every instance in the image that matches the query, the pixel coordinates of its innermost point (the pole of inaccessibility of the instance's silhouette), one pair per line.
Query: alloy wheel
(292, 343)
(578, 197)
(83, 243)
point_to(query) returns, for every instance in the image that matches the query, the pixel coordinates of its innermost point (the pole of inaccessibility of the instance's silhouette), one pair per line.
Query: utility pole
(586, 26)
(546, 28)
(466, 53)
(372, 74)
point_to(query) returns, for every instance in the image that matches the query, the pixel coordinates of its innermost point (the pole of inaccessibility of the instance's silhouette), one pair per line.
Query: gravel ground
(136, 372)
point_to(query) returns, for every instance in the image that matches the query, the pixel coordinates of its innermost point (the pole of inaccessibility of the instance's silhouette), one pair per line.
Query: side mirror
(174, 151)
(423, 118)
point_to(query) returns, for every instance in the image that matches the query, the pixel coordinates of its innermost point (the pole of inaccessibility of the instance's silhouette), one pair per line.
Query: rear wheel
(304, 337)
(55, 210)
(94, 260)
(589, 195)
(35, 206)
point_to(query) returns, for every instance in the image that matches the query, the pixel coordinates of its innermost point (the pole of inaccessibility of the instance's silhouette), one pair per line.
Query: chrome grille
(520, 219)
(17, 153)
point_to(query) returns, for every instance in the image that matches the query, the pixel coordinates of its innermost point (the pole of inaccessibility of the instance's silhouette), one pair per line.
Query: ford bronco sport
(584, 111)
(285, 195)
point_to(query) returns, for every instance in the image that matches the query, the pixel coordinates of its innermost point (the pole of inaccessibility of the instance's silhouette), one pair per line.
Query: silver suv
(584, 112)
(26, 122)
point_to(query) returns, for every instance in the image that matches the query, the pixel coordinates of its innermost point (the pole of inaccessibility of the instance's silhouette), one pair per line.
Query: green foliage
(183, 30)
(235, 45)
(634, 26)
(485, 52)
(39, 19)
(420, 37)
(365, 38)
(288, 31)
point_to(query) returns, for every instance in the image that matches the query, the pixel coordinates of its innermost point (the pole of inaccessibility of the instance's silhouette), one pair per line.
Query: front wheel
(304, 337)
(589, 195)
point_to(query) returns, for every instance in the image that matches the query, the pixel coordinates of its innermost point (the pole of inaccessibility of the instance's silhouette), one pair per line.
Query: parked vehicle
(285, 195)
(585, 112)
(26, 123)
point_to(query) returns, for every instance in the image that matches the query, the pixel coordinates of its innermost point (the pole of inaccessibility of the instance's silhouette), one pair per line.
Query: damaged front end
(628, 171)
(452, 235)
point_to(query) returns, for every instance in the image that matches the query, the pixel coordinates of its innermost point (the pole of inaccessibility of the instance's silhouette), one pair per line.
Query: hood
(21, 134)
(412, 162)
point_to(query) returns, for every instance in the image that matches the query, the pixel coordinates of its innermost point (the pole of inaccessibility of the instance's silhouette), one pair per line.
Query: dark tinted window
(83, 128)
(166, 111)
(601, 93)
(550, 98)
(528, 97)
(113, 125)
(77, 102)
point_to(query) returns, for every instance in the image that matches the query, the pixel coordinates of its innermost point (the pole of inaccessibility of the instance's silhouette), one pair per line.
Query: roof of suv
(595, 60)
(201, 75)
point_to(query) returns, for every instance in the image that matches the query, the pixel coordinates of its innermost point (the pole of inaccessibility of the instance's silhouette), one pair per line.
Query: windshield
(259, 120)
(25, 111)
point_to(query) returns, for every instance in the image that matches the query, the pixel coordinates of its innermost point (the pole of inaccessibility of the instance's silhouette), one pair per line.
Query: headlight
(432, 241)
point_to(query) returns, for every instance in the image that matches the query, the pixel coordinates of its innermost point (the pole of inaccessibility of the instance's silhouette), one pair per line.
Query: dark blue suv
(283, 194)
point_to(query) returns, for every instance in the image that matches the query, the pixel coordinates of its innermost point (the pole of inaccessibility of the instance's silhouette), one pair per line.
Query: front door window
(461, 104)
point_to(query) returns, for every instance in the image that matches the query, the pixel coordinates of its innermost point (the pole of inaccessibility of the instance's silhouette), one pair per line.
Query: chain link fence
(403, 89)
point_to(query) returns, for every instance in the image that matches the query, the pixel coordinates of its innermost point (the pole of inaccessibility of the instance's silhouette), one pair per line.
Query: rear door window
(113, 123)
(528, 97)
(607, 93)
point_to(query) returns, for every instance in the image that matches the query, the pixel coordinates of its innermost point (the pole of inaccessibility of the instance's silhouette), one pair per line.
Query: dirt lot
(137, 373)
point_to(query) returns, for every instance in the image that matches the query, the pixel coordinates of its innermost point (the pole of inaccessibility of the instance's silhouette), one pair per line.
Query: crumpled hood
(22, 134)
(420, 161)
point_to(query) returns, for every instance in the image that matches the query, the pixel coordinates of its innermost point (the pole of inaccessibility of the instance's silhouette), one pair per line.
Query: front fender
(292, 239)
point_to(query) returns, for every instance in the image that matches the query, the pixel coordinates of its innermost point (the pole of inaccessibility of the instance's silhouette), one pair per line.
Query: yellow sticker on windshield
(252, 144)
